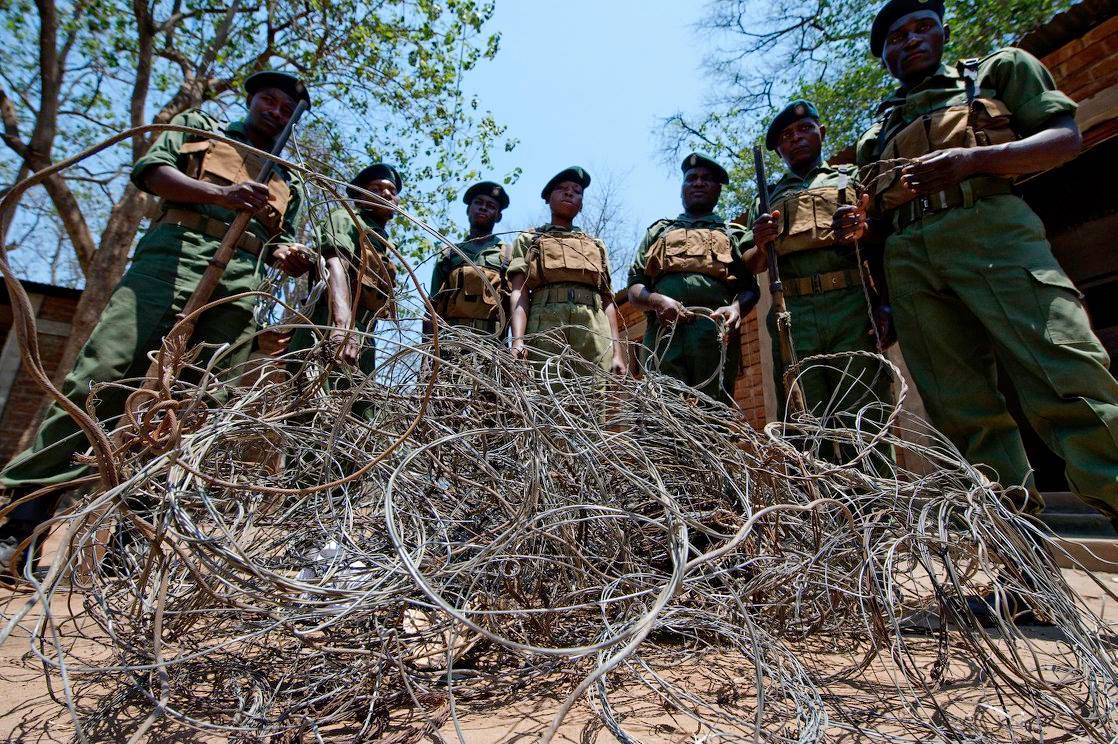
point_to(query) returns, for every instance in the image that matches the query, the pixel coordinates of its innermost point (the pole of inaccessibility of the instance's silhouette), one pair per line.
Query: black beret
(286, 82)
(487, 188)
(375, 172)
(894, 10)
(575, 174)
(694, 160)
(792, 113)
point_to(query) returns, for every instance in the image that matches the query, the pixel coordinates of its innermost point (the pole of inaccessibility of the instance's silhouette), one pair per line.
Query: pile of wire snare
(327, 556)
(307, 553)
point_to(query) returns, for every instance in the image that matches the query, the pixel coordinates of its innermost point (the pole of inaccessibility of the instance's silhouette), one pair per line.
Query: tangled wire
(320, 555)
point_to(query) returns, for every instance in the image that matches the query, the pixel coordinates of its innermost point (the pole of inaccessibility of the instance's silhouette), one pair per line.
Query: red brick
(1101, 31)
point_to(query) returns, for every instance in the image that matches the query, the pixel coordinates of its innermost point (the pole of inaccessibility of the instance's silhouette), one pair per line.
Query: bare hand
(729, 317)
(940, 170)
(766, 229)
(293, 259)
(669, 311)
(519, 351)
(851, 222)
(883, 326)
(248, 196)
(349, 345)
(619, 366)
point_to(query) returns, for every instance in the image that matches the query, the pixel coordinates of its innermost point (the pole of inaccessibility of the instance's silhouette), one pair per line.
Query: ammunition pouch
(691, 251)
(574, 258)
(808, 218)
(378, 280)
(220, 163)
(468, 296)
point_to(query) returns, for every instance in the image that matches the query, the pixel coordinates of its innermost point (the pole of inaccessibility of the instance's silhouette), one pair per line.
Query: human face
(801, 143)
(269, 110)
(914, 46)
(701, 189)
(386, 190)
(566, 200)
(484, 212)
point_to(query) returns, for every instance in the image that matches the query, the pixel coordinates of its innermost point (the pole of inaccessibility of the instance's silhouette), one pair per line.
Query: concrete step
(1086, 535)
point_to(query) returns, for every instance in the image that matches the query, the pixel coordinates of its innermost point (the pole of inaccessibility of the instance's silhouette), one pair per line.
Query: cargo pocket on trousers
(1061, 305)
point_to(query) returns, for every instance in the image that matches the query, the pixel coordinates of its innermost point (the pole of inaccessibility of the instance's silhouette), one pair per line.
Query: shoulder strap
(969, 70)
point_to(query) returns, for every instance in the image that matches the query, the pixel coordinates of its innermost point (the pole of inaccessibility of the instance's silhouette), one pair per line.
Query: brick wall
(1088, 65)
(749, 390)
(25, 397)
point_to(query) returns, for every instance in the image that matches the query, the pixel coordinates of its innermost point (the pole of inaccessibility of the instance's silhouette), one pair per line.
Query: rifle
(184, 329)
(776, 288)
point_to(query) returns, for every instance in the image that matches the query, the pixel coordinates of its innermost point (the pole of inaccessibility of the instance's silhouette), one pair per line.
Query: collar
(548, 227)
(480, 243)
(371, 223)
(943, 72)
(713, 218)
(791, 178)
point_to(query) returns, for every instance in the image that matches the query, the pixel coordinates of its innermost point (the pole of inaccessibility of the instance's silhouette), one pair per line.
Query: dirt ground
(27, 714)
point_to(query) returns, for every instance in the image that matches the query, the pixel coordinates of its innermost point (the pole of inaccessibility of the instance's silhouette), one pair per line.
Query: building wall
(1088, 65)
(20, 397)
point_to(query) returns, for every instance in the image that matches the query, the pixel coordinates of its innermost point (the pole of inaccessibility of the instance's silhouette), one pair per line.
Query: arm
(620, 363)
(521, 302)
(668, 310)
(341, 310)
(1051, 147)
(437, 278)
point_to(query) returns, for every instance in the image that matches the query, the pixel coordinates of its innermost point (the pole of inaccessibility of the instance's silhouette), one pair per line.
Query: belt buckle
(925, 205)
(816, 283)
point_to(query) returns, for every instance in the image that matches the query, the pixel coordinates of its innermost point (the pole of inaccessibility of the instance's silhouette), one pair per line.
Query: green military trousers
(561, 316)
(844, 393)
(140, 312)
(975, 285)
(694, 354)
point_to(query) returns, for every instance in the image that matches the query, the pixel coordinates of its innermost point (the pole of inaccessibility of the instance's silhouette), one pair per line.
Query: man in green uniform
(971, 274)
(822, 276)
(691, 262)
(463, 281)
(202, 184)
(357, 295)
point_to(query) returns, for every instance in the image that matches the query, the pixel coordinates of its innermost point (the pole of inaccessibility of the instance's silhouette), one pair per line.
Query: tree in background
(772, 51)
(384, 74)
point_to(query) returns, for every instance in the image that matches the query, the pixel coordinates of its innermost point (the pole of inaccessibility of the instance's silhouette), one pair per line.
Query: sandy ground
(27, 713)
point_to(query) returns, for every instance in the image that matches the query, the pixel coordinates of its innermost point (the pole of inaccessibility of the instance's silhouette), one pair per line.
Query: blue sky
(587, 82)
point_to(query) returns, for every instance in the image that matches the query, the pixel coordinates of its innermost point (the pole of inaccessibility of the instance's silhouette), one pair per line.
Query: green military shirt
(178, 255)
(820, 260)
(1012, 76)
(518, 262)
(694, 290)
(342, 236)
(486, 252)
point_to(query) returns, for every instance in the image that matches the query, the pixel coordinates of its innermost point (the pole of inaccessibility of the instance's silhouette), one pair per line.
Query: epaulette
(658, 223)
(213, 123)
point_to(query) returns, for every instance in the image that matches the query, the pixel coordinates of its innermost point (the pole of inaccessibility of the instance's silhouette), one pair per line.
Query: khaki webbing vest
(682, 250)
(467, 296)
(222, 164)
(980, 122)
(378, 281)
(574, 258)
(808, 217)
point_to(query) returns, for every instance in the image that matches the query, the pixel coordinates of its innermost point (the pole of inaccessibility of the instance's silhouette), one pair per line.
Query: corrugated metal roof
(1068, 26)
